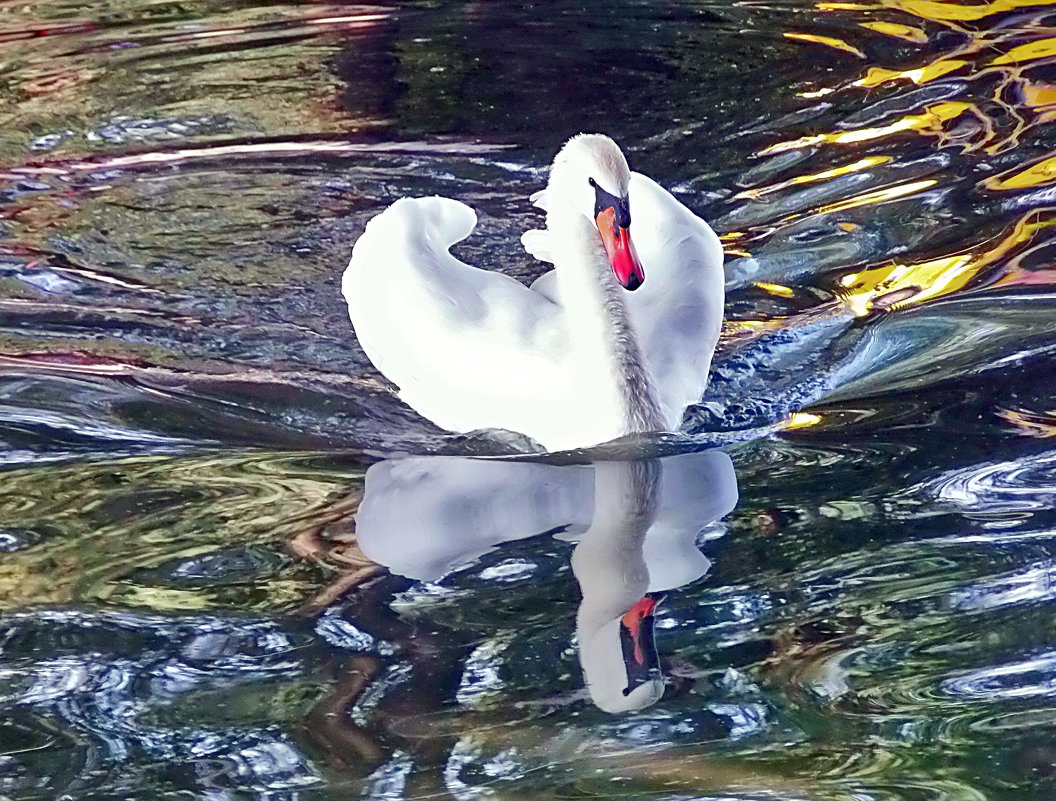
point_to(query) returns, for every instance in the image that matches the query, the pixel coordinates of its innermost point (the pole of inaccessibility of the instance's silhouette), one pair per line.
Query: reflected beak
(639, 646)
(618, 247)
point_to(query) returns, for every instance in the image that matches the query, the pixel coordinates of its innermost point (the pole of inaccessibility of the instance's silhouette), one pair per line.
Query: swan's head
(621, 666)
(591, 174)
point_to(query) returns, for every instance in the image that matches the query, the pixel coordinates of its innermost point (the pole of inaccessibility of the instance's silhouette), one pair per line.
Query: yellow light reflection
(879, 196)
(1031, 51)
(824, 175)
(1039, 174)
(1030, 424)
(1038, 95)
(878, 75)
(896, 286)
(801, 420)
(733, 329)
(828, 41)
(946, 11)
(1006, 52)
(779, 290)
(929, 122)
(905, 283)
(907, 32)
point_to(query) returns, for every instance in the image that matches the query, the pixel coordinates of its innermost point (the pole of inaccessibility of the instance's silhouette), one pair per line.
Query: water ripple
(185, 608)
(1026, 679)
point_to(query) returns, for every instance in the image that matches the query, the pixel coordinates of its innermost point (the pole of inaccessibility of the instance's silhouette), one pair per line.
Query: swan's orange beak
(618, 247)
(639, 648)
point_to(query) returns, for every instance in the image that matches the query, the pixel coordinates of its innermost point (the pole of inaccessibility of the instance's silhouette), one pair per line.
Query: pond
(235, 566)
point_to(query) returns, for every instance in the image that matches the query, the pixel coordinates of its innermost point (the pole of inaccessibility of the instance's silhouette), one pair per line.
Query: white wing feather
(537, 243)
(678, 309)
(468, 348)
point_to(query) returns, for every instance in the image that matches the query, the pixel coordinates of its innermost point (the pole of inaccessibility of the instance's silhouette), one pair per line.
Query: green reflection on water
(134, 533)
(878, 622)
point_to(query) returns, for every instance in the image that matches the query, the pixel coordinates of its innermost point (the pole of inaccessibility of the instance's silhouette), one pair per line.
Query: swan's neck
(602, 329)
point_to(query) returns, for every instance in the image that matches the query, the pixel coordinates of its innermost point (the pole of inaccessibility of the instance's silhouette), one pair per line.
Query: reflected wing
(696, 489)
(424, 517)
(468, 348)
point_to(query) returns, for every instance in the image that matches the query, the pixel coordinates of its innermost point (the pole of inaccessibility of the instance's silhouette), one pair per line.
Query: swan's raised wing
(678, 310)
(468, 348)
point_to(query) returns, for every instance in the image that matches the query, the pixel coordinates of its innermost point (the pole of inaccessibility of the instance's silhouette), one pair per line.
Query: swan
(635, 524)
(617, 339)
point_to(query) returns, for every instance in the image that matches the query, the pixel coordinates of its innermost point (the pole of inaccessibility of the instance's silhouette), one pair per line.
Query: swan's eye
(592, 182)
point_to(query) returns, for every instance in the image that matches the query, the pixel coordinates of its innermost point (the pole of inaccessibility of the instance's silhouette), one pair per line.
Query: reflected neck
(609, 564)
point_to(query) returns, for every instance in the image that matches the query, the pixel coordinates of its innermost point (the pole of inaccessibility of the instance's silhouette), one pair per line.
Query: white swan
(636, 522)
(575, 360)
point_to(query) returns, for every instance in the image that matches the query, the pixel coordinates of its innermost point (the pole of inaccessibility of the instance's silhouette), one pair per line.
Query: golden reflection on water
(1038, 174)
(948, 11)
(999, 53)
(919, 75)
(929, 123)
(879, 196)
(801, 420)
(779, 290)
(1041, 425)
(939, 10)
(1031, 51)
(907, 32)
(905, 284)
(118, 532)
(829, 41)
(996, 94)
(824, 175)
(895, 286)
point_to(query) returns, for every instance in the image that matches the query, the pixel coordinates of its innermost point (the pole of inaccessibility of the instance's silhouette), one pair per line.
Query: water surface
(187, 425)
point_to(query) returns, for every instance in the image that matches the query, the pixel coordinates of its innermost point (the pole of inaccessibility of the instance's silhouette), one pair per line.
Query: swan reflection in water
(635, 524)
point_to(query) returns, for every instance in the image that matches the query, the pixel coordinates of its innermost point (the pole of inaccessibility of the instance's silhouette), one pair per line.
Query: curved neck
(601, 325)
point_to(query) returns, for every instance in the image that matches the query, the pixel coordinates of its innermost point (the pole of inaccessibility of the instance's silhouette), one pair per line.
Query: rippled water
(859, 590)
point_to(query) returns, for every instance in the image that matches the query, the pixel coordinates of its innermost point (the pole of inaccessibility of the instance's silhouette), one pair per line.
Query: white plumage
(636, 525)
(575, 359)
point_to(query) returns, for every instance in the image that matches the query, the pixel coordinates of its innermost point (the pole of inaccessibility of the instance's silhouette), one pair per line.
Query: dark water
(186, 420)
